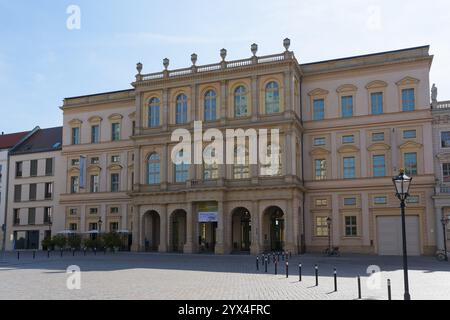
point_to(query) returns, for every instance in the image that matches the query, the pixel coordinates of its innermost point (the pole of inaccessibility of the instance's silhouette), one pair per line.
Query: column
(137, 166)
(82, 219)
(394, 152)
(194, 104)
(189, 245)
(334, 157)
(223, 102)
(136, 232)
(165, 163)
(255, 98)
(165, 105)
(287, 94)
(439, 229)
(287, 156)
(335, 231)
(289, 227)
(138, 113)
(220, 231)
(365, 219)
(163, 229)
(255, 247)
(363, 153)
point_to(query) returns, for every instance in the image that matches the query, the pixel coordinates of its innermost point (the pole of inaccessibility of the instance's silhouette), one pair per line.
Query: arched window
(153, 112)
(272, 98)
(153, 169)
(181, 169)
(273, 168)
(241, 168)
(240, 102)
(210, 105)
(181, 109)
(210, 170)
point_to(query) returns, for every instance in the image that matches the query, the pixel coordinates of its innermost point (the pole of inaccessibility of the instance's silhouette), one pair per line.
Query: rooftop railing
(443, 105)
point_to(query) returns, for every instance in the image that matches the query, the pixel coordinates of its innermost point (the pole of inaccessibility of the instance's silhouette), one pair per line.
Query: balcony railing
(443, 189)
(235, 64)
(443, 105)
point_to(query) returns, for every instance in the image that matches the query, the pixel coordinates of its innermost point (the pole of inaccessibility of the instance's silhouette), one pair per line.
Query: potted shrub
(74, 241)
(112, 241)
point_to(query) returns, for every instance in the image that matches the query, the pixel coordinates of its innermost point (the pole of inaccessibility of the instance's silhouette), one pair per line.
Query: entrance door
(33, 240)
(389, 233)
(277, 234)
(175, 236)
(207, 237)
(246, 231)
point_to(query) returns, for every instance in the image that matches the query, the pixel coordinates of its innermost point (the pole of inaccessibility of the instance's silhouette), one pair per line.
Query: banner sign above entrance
(207, 217)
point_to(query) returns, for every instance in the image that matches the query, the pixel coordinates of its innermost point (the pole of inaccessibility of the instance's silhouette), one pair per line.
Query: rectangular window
(319, 141)
(76, 135)
(32, 192)
(410, 162)
(413, 199)
(94, 183)
(320, 169)
(115, 159)
(75, 162)
(349, 168)
(378, 136)
(33, 168)
(321, 227)
(115, 131)
(347, 106)
(114, 210)
(351, 228)
(49, 167)
(74, 184)
(47, 215)
(349, 201)
(408, 100)
(17, 193)
(321, 202)
(31, 216)
(318, 109)
(379, 165)
(115, 182)
(376, 101)
(348, 139)
(16, 217)
(446, 172)
(182, 172)
(95, 134)
(113, 226)
(133, 128)
(445, 139)
(93, 226)
(95, 160)
(48, 192)
(73, 211)
(73, 227)
(93, 210)
(19, 168)
(380, 200)
(409, 134)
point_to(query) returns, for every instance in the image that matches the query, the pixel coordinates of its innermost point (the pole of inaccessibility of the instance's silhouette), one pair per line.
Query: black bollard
(61, 253)
(268, 258)
(316, 269)
(299, 272)
(34, 254)
(359, 287)
(257, 263)
(18, 255)
(95, 251)
(287, 269)
(276, 267)
(335, 280)
(274, 258)
(290, 254)
(278, 256)
(73, 253)
(265, 264)
(389, 289)
(282, 256)
(48, 253)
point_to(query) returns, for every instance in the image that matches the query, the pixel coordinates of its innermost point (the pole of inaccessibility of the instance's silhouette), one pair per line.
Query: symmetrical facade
(33, 189)
(346, 126)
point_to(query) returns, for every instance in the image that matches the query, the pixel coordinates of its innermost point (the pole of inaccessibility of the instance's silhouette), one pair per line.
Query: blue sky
(41, 61)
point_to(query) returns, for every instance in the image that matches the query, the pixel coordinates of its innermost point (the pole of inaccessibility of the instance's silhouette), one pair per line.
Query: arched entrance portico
(241, 230)
(151, 230)
(178, 230)
(273, 229)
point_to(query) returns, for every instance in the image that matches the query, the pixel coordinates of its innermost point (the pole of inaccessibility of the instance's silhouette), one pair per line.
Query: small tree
(112, 240)
(59, 241)
(74, 241)
(47, 243)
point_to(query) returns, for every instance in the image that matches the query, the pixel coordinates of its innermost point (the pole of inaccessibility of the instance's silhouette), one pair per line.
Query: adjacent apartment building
(441, 147)
(33, 188)
(7, 142)
(346, 127)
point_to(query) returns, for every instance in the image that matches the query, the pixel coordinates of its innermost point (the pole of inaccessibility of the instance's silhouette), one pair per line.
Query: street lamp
(329, 234)
(100, 225)
(444, 222)
(402, 184)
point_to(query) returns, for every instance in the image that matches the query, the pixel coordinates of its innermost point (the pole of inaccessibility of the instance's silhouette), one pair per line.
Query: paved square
(204, 277)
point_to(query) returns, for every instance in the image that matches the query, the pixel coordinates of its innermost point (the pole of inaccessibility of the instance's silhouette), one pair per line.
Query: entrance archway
(241, 230)
(178, 230)
(151, 232)
(273, 229)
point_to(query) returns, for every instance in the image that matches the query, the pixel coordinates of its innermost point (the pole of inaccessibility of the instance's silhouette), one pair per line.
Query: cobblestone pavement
(204, 277)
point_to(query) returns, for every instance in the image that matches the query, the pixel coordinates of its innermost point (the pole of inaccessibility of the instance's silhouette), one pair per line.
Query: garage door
(389, 231)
